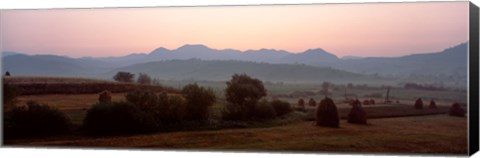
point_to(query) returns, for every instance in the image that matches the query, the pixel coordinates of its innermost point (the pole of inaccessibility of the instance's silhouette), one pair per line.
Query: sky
(372, 29)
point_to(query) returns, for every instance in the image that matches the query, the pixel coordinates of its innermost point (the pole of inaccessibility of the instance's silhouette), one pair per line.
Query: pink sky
(376, 29)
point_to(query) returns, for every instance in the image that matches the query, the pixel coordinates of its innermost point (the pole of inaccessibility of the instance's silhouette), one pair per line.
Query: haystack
(357, 115)
(419, 103)
(456, 110)
(327, 114)
(105, 97)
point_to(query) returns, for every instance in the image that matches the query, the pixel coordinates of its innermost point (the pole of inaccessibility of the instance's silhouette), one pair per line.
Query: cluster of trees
(128, 77)
(243, 94)
(33, 119)
(423, 87)
(145, 111)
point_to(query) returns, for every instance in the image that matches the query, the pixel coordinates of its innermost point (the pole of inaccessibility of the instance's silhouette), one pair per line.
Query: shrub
(264, 110)
(456, 110)
(144, 99)
(117, 118)
(34, 119)
(124, 77)
(433, 105)
(312, 102)
(198, 99)
(10, 94)
(244, 91)
(357, 115)
(281, 107)
(234, 112)
(419, 103)
(170, 109)
(327, 114)
(105, 97)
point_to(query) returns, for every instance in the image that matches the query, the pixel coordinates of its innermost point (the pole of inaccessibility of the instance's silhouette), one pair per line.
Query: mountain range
(447, 65)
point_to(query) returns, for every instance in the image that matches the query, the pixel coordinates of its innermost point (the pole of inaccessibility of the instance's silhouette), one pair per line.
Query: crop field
(59, 85)
(420, 134)
(391, 128)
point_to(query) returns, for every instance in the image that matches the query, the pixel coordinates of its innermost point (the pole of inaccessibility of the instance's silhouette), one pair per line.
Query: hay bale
(432, 105)
(366, 102)
(105, 97)
(312, 102)
(301, 105)
(419, 103)
(357, 115)
(327, 114)
(456, 110)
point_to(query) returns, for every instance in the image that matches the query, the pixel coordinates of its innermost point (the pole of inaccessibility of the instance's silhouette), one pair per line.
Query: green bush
(232, 112)
(264, 110)
(34, 119)
(198, 99)
(117, 118)
(144, 99)
(170, 109)
(10, 94)
(281, 107)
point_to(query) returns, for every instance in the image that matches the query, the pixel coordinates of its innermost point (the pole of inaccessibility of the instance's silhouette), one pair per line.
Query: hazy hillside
(50, 65)
(446, 67)
(195, 69)
(447, 62)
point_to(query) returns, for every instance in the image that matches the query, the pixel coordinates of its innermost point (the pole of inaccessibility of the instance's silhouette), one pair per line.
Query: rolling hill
(448, 66)
(196, 69)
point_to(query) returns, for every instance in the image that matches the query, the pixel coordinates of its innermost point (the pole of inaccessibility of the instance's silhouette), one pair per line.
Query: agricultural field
(391, 127)
(419, 134)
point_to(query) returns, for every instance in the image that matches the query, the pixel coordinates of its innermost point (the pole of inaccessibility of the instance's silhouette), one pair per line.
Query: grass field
(392, 128)
(75, 106)
(421, 134)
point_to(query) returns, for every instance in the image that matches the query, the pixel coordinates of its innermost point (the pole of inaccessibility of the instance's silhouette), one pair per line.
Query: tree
(34, 119)
(7, 73)
(243, 93)
(144, 79)
(145, 100)
(198, 99)
(124, 77)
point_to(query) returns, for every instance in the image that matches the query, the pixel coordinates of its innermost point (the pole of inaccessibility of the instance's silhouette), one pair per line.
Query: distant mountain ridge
(203, 52)
(449, 65)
